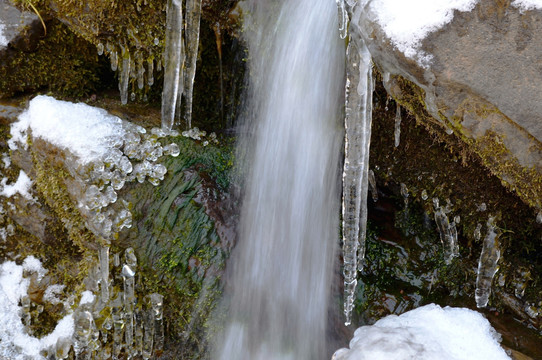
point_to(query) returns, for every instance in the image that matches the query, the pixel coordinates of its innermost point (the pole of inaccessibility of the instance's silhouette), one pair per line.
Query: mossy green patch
(62, 63)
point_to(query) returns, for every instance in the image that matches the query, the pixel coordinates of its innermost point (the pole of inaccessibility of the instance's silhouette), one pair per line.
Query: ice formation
(426, 333)
(174, 58)
(488, 264)
(407, 23)
(124, 76)
(397, 129)
(359, 88)
(193, 15)
(343, 18)
(358, 118)
(15, 341)
(447, 230)
(107, 326)
(108, 153)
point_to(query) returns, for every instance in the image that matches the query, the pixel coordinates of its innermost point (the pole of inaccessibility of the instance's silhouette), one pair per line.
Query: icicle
(397, 132)
(355, 176)
(138, 335)
(487, 266)
(157, 302)
(100, 48)
(343, 18)
(114, 60)
(83, 327)
(173, 55)
(118, 325)
(124, 76)
(150, 72)
(62, 348)
(103, 256)
(218, 37)
(128, 273)
(478, 232)
(372, 185)
(447, 231)
(140, 71)
(193, 15)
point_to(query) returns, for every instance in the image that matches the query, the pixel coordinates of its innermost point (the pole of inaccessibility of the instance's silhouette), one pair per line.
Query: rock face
(181, 234)
(483, 83)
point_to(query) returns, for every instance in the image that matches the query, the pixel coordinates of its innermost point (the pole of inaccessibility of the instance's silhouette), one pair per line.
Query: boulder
(477, 76)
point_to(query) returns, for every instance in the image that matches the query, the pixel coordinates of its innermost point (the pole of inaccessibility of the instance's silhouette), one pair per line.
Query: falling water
(281, 268)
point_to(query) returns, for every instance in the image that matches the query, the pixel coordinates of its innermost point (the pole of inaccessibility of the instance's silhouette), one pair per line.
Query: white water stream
(280, 271)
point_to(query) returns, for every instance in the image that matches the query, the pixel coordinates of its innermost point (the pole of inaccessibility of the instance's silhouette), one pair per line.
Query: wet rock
(14, 30)
(37, 53)
(483, 83)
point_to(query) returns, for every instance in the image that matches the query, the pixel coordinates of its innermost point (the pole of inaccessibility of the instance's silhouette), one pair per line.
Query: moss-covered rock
(60, 62)
(181, 233)
(480, 84)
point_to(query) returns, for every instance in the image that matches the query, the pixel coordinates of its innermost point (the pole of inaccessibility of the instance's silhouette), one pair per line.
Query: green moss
(62, 63)
(490, 149)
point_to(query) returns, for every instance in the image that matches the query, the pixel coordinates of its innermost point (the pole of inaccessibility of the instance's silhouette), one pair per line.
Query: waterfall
(280, 271)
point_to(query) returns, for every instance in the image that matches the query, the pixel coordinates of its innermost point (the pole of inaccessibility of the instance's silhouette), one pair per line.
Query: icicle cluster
(447, 230)
(179, 62)
(359, 89)
(135, 157)
(488, 264)
(180, 54)
(131, 67)
(125, 325)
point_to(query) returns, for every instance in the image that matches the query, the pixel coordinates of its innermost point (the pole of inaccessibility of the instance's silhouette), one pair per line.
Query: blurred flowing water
(280, 272)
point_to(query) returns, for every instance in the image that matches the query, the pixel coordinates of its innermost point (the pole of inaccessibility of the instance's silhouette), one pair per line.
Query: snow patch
(22, 186)
(427, 333)
(525, 5)
(407, 23)
(86, 131)
(15, 343)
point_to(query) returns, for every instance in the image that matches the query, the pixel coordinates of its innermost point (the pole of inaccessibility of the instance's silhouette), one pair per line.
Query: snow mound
(427, 333)
(86, 131)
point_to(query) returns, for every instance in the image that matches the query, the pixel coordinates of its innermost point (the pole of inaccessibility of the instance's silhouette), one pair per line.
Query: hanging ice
(103, 257)
(447, 231)
(359, 89)
(487, 266)
(173, 62)
(372, 186)
(193, 15)
(397, 133)
(343, 18)
(124, 78)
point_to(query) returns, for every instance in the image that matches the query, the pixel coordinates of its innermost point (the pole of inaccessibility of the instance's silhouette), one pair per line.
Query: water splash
(281, 268)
